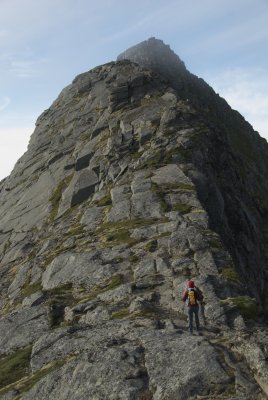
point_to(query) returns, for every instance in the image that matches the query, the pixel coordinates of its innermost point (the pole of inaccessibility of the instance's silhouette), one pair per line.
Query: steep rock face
(127, 189)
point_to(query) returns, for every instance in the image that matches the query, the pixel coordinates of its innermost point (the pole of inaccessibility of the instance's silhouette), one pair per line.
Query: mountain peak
(155, 54)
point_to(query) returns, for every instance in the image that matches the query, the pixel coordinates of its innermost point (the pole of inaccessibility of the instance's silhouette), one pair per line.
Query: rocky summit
(136, 179)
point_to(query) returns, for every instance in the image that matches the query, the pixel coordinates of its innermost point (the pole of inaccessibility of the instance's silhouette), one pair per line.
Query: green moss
(245, 304)
(52, 255)
(135, 155)
(151, 246)
(30, 289)
(230, 274)
(215, 243)
(14, 366)
(120, 236)
(25, 383)
(185, 187)
(134, 258)
(86, 136)
(112, 283)
(161, 191)
(56, 197)
(156, 161)
(104, 201)
(182, 208)
(123, 313)
(118, 232)
(31, 380)
(146, 313)
(76, 230)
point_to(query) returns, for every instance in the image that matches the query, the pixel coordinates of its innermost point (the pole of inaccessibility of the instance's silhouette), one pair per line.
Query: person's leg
(196, 317)
(190, 317)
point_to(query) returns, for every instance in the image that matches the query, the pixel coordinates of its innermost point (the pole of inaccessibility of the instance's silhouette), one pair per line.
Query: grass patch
(121, 314)
(112, 283)
(169, 187)
(52, 255)
(104, 201)
(56, 197)
(118, 232)
(182, 208)
(32, 254)
(151, 246)
(230, 274)
(245, 304)
(186, 187)
(135, 155)
(134, 258)
(160, 191)
(30, 289)
(120, 236)
(124, 313)
(198, 211)
(146, 313)
(25, 383)
(215, 243)
(14, 366)
(31, 380)
(76, 230)
(156, 161)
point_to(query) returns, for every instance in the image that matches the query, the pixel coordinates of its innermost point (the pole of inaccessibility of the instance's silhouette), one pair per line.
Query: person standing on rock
(192, 295)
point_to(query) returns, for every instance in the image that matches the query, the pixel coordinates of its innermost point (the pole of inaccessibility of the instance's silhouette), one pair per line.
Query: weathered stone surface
(33, 300)
(84, 186)
(78, 269)
(116, 295)
(136, 179)
(145, 205)
(95, 317)
(22, 328)
(19, 281)
(92, 217)
(145, 268)
(170, 174)
(182, 383)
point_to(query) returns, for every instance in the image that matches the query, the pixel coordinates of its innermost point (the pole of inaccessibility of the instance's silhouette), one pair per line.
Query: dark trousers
(193, 310)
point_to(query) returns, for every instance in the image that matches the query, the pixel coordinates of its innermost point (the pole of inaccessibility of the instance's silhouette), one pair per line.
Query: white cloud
(26, 68)
(4, 102)
(246, 90)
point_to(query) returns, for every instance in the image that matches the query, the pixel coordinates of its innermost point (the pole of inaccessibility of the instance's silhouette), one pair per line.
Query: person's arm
(185, 295)
(200, 296)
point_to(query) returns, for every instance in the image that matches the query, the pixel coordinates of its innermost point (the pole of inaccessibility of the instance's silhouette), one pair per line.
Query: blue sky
(44, 44)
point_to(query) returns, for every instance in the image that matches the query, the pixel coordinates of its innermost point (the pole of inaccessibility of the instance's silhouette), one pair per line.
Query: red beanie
(191, 284)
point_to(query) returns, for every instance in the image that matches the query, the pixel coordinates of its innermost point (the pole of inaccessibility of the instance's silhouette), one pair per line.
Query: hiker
(192, 295)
